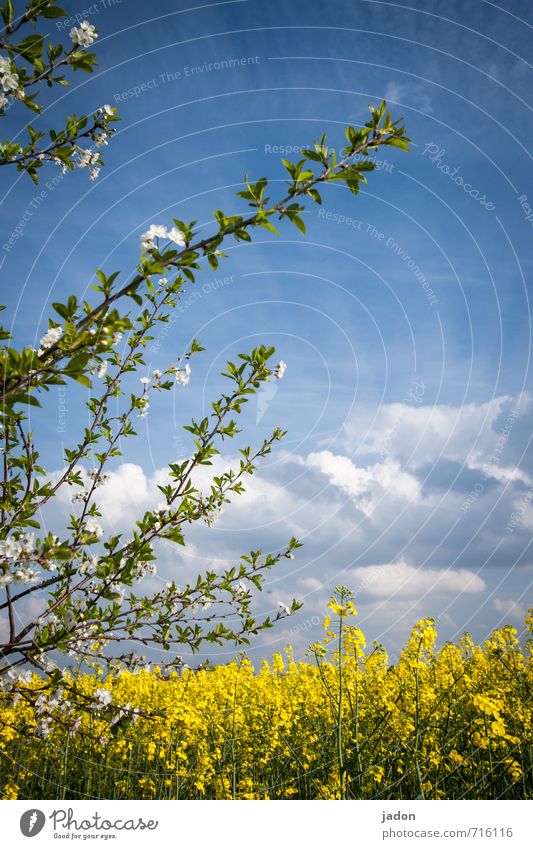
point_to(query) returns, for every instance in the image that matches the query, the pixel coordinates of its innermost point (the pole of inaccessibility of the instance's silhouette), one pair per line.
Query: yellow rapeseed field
(451, 723)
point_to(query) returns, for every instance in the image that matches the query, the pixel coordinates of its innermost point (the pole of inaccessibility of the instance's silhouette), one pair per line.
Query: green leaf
(7, 13)
(60, 310)
(401, 143)
(30, 48)
(268, 226)
(28, 399)
(53, 12)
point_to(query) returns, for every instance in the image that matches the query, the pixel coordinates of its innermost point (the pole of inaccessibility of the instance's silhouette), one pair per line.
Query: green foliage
(85, 578)
(31, 62)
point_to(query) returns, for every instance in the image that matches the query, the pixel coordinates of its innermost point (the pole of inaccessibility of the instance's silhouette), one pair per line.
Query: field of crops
(452, 723)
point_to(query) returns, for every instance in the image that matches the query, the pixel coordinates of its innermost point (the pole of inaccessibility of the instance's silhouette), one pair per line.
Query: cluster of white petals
(15, 676)
(202, 603)
(25, 575)
(97, 477)
(100, 139)
(175, 235)
(103, 697)
(19, 552)
(280, 369)
(17, 549)
(182, 375)
(92, 526)
(9, 81)
(84, 35)
(159, 231)
(50, 338)
(240, 590)
(88, 158)
(88, 565)
(142, 569)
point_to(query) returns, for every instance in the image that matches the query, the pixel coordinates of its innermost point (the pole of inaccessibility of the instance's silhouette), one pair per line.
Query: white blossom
(5, 64)
(94, 173)
(102, 368)
(9, 82)
(175, 235)
(100, 139)
(24, 575)
(3, 101)
(145, 380)
(42, 729)
(202, 602)
(240, 589)
(50, 338)
(155, 231)
(104, 697)
(162, 281)
(23, 676)
(107, 109)
(87, 157)
(84, 35)
(144, 568)
(18, 551)
(87, 566)
(284, 609)
(97, 477)
(183, 375)
(92, 526)
(157, 374)
(280, 369)
(81, 495)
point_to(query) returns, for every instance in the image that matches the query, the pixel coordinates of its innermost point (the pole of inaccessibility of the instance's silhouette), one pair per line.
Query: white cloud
(402, 579)
(418, 435)
(410, 94)
(367, 485)
(367, 502)
(510, 608)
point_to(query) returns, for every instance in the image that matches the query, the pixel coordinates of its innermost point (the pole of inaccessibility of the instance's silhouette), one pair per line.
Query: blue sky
(403, 315)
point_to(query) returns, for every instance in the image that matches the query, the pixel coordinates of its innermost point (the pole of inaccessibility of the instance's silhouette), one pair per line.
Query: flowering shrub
(75, 596)
(438, 724)
(26, 66)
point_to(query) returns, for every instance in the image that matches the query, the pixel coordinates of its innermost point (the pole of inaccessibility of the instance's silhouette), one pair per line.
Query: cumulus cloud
(411, 506)
(404, 580)
(367, 485)
(509, 608)
(491, 437)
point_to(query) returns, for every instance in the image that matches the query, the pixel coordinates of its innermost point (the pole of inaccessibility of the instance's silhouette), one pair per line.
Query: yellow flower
(10, 790)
